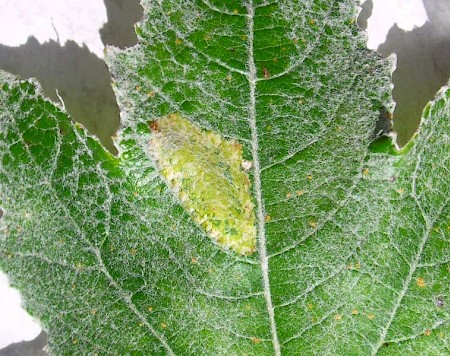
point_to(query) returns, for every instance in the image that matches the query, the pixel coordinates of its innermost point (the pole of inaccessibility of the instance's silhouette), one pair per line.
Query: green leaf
(352, 242)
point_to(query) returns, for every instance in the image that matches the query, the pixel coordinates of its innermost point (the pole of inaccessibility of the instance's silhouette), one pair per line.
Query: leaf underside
(352, 245)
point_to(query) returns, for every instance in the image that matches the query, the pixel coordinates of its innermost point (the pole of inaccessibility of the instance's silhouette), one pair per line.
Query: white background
(80, 20)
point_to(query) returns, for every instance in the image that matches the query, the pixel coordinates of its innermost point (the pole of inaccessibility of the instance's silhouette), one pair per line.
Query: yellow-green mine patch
(206, 173)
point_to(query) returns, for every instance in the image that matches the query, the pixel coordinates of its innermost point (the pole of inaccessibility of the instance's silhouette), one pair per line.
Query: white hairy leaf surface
(352, 237)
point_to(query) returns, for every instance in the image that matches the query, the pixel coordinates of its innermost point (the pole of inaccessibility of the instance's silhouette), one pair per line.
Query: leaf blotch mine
(205, 173)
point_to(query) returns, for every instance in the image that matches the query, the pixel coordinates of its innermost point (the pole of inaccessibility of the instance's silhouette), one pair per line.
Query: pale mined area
(206, 174)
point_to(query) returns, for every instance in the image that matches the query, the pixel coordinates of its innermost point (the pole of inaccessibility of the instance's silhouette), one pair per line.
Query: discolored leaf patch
(206, 173)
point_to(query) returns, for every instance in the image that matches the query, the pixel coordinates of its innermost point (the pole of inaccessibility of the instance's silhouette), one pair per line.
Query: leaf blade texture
(352, 245)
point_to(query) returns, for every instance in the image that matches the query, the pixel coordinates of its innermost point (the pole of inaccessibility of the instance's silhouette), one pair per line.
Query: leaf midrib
(262, 249)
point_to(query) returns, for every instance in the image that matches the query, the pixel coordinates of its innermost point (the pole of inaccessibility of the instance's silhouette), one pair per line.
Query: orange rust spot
(94, 311)
(312, 224)
(295, 40)
(229, 77)
(163, 325)
(141, 324)
(357, 265)
(133, 251)
(355, 312)
(235, 11)
(310, 306)
(400, 191)
(255, 340)
(207, 37)
(194, 260)
(371, 316)
(300, 101)
(266, 73)
(350, 266)
(421, 282)
(299, 192)
(268, 218)
(151, 94)
(427, 332)
(75, 341)
(366, 171)
(312, 22)
(178, 41)
(338, 317)
(288, 195)
(150, 309)
(309, 176)
(138, 88)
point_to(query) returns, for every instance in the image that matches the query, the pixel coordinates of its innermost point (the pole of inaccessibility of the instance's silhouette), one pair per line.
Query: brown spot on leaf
(154, 126)
(421, 282)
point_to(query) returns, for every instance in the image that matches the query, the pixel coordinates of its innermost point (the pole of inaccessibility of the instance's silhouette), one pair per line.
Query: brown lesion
(154, 126)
